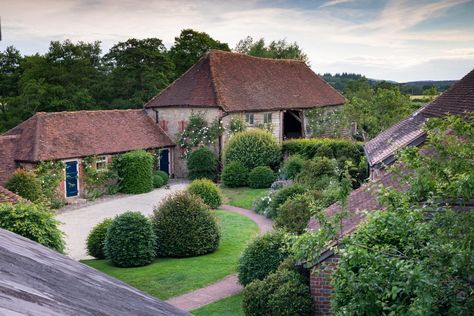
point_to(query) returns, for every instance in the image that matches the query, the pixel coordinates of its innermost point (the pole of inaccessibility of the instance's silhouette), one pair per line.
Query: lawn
(230, 306)
(168, 277)
(242, 197)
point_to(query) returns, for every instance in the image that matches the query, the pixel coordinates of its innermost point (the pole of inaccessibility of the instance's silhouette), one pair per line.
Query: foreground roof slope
(7, 196)
(458, 100)
(238, 82)
(62, 135)
(39, 281)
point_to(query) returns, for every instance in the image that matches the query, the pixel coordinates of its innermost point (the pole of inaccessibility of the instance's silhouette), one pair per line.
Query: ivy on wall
(50, 175)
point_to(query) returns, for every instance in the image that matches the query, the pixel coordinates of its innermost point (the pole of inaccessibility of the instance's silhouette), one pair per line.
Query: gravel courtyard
(77, 223)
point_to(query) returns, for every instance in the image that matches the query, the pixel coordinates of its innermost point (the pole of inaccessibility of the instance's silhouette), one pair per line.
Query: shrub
(33, 222)
(261, 205)
(207, 191)
(278, 184)
(158, 181)
(135, 170)
(202, 163)
(261, 177)
(262, 257)
(253, 148)
(163, 175)
(281, 196)
(292, 167)
(130, 240)
(294, 214)
(96, 239)
(25, 184)
(234, 174)
(185, 227)
(318, 173)
(281, 293)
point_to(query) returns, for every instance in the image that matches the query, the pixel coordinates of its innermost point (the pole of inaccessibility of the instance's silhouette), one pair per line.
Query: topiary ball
(185, 227)
(25, 184)
(262, 257)
(207, 191)
(96, 239)
(33, 222)
(261, 177)
(293, 216)
(158, 181)
(253, 148)
(130, 240)
(234, 174)
(202, 163)
(163, 175)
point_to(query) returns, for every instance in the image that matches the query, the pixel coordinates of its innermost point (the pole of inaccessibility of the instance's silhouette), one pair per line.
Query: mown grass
(242, 197)
(168, 277)
(230, 306)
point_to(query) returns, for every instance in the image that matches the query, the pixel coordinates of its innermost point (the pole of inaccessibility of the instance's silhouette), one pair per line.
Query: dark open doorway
(292, 127)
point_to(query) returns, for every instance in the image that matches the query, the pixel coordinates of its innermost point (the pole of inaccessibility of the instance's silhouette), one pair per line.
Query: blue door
(165, 160)
(72, 188)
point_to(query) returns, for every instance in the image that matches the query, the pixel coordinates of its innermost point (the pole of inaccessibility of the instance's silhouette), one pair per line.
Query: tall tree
(191, 45)
(280, 49)
(10, 74)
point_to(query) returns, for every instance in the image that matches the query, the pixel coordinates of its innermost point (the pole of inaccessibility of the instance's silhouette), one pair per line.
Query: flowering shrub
(262, 205)
(98, 182)
(278, 184)
(236, 125)
(50, 174)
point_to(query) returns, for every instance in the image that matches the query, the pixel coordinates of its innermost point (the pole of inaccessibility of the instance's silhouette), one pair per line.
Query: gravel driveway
(77, 223)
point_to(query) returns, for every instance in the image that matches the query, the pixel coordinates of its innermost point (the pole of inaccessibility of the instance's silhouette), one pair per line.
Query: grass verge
(242, 197)
(229, 306)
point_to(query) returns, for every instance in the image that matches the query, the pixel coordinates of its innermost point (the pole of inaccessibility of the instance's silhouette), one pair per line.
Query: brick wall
(320, 284)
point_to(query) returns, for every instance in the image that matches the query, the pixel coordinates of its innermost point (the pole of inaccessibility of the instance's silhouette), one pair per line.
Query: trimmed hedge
(281, 293)
(294, 214)
(25, 184)
(281, 196)
(96, 239)
(207, 191)
(130, 240)
(158, 181)
(261, 177)
(33, 222)
(235, 174)
(262, 257)
(163, 175)
(185, 227)
(253, 148)
(135, 170)
(202, 163)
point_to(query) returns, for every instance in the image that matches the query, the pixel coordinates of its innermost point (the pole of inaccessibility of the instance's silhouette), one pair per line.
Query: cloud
(333, 3)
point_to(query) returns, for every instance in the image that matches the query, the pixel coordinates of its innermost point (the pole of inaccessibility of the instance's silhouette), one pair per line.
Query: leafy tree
(190, 46)
(280, 49)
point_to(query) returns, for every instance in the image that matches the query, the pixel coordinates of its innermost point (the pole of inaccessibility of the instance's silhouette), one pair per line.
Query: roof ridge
(215, 83)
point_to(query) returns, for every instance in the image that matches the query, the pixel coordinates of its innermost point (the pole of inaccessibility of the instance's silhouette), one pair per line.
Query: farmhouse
(380, 152)
(273, 93)
(72, 136)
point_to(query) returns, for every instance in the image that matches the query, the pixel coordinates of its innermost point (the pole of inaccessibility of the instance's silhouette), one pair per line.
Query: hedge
(135, 171)
(280, 197)
(202, 163)
(261, 177)
(25, 184)
(207, 191)
(163, 175)
(293, 216)
(96, 239)
(235, 174)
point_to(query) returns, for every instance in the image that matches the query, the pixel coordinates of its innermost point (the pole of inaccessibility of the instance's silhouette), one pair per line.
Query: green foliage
(253, 148)
(98, 182)
(327, 122)
(261, 177)
(294, 214)
(96, 239)
(281, 196)
(234, 174)
(158, 181)
(207, 191)
(185, 227)
(33, 222)
(280, 49)
(50, 175)
(281, 293)
(292, 167)
(202, 163)
(318, 173)
(262, 257)
(25, 184)
(130, 240)
(236, 125)
(135, 170)
(190, 46)
(163, 175)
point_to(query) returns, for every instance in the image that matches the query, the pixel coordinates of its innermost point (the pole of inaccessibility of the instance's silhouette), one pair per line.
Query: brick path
(227, 286)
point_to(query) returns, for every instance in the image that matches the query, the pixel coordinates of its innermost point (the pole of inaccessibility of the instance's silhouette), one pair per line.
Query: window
(164, 125)
(267, 118)
(249, 118)
(101, 163)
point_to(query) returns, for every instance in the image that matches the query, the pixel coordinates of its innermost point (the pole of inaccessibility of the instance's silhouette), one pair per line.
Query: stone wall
(320, 284)
(258, 119)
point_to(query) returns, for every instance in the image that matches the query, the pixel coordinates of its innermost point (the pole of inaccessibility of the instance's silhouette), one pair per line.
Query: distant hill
(339, 82)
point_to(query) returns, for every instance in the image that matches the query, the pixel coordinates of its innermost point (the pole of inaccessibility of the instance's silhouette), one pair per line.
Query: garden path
(227, 286)
(78, 222)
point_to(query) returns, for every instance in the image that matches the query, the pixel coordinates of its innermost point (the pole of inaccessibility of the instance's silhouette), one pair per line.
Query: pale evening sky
(382, 39)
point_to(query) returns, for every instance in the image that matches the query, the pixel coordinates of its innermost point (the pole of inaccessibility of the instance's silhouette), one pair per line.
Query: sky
(381, 39)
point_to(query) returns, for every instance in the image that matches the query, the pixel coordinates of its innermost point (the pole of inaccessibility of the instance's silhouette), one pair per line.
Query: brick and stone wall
(320, 284)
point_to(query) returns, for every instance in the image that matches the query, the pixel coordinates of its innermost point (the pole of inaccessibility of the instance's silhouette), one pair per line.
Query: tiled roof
(360, 202)
(39, 281)
(61, 135)
(238, 82)
(7, 196)
(458, 100)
